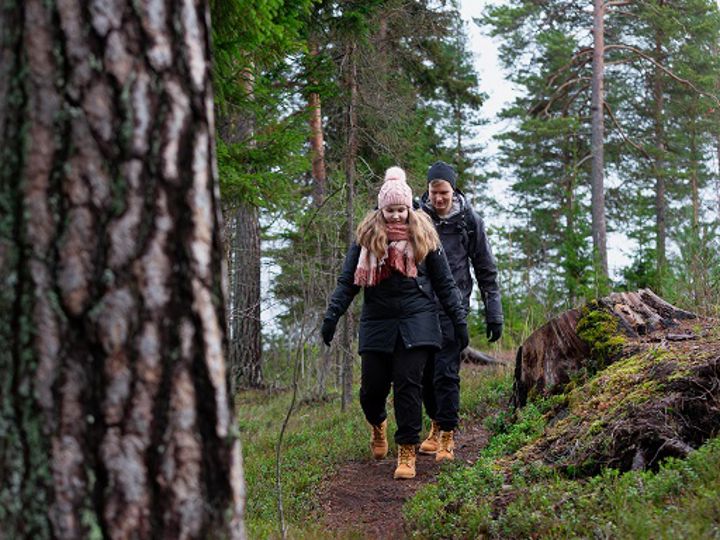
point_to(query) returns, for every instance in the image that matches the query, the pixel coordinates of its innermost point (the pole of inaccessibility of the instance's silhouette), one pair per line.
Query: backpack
(467, 225)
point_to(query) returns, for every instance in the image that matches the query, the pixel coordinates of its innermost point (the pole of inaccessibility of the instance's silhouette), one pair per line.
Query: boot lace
(445, 440)
(405, 455)
(379, 433)
(434, 432)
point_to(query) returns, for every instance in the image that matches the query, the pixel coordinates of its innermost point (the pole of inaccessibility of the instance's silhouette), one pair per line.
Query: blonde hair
(372, 235)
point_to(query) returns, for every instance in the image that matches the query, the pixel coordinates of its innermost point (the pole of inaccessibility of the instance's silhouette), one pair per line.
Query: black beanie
(442, 171)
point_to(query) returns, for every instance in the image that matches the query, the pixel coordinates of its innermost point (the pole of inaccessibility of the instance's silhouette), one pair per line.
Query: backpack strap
(467, 226)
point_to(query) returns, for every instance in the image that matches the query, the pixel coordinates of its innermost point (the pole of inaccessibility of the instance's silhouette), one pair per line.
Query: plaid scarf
(399, 256)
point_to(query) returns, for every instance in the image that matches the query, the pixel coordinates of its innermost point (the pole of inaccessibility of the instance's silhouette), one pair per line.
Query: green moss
(599, 329)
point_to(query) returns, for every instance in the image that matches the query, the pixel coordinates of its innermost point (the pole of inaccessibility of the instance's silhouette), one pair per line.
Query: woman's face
(395, 213)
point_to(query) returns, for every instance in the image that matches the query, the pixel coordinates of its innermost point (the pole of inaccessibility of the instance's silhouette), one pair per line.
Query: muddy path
(362, 500)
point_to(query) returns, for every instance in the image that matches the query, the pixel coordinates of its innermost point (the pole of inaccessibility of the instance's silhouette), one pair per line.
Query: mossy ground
(559, 468)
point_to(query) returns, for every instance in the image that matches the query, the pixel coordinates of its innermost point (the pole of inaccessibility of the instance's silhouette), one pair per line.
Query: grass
(318, 439)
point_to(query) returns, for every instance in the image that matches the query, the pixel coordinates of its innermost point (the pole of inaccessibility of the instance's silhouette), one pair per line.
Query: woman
(398, 259)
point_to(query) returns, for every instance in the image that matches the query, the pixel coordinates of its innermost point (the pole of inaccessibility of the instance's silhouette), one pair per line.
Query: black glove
(461, 335)
(328, 331)
(493, 331)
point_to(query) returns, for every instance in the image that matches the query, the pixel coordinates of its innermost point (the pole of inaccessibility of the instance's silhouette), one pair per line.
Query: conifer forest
(180, 181)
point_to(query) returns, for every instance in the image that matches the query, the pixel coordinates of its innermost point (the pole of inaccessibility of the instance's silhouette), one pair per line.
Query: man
(463, 237)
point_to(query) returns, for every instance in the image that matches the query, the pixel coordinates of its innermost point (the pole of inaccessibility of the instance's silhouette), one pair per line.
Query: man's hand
(328, 331)
(494, 331)
(461, 335)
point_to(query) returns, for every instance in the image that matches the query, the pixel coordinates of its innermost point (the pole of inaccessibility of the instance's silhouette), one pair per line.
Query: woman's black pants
(402, 369)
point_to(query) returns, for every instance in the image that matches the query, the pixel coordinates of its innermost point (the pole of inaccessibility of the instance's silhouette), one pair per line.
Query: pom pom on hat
(395, 173)
(395, 189)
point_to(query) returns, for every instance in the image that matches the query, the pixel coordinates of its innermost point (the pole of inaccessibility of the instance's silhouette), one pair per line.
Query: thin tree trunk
(317, 141)
(244, 261)
(351, 156)
(694, 188)
(717, 176)
(319, 174)
(599, 234)
(246, 346)
(660, 145)
(458, 138)
(696, 265)
(115, 408)
(569, 234)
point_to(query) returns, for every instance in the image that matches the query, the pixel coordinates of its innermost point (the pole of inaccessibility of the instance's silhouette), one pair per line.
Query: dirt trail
(363, 500)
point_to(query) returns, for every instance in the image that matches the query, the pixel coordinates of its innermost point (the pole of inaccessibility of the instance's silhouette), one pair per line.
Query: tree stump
(549, 356)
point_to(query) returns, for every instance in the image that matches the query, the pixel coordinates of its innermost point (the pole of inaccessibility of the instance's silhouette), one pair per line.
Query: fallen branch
(477, 357)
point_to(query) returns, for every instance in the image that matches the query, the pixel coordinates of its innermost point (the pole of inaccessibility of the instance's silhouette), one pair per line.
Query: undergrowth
(513, 491)
(680, 500)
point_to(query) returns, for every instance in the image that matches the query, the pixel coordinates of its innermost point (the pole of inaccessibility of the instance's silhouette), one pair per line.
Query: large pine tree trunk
(597, 141)
(115, 413)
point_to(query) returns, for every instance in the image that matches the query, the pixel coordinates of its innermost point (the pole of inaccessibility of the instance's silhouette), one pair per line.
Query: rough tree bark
(549, 356)
(597, 140)
(114, 405)
(246, 347)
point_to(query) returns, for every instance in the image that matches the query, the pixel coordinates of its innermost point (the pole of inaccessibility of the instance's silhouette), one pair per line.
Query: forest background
(612, 131)
(316, 99)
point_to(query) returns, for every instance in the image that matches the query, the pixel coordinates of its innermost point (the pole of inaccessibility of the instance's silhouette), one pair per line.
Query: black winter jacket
(462, 247)
(400, 304)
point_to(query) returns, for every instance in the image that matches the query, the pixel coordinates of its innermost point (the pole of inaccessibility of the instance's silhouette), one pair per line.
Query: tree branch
(622, 133)
(555, 96)
(573, 97)
(278, 448)
(575, 58)
(583, 160)
(667, 71)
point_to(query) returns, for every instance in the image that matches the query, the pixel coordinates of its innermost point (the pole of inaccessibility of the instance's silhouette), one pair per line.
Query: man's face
(441, 196)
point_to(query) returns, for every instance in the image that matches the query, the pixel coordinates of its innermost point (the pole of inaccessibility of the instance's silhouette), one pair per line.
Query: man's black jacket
(465, 242)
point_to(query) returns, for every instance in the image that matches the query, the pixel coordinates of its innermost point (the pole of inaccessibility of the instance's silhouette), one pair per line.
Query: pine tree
(115, 414)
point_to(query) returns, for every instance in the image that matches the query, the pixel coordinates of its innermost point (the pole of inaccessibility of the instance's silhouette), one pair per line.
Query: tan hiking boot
(378, 442)
(432, 443)
(406, 462)
(447, 447)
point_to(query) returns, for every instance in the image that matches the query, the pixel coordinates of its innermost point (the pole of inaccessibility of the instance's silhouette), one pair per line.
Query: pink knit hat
(395, 189)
